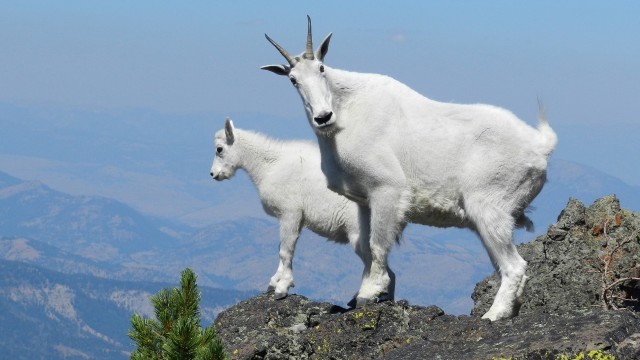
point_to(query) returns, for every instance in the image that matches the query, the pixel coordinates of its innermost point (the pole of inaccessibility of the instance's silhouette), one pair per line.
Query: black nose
(323, 119)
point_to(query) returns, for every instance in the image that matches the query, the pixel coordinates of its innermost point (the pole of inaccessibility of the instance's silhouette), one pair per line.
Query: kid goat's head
(225, 161)
(307, 74)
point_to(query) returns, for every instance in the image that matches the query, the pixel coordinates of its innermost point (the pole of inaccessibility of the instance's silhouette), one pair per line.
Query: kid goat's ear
(228, 130)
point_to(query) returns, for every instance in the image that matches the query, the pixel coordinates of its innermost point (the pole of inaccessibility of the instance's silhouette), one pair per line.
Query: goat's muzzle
(323, 119)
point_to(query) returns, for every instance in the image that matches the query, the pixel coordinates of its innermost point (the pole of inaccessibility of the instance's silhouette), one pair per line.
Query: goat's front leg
(387, 210)
(282, 280)
(360, 242)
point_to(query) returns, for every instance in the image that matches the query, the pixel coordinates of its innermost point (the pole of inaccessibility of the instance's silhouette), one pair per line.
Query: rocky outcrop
(568, 312)
(567, 265)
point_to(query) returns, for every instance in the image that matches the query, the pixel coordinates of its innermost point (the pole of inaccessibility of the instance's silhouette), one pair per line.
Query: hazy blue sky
(582, 58)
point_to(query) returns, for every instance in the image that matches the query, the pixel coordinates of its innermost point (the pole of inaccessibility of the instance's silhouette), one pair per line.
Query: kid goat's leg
(282, 280)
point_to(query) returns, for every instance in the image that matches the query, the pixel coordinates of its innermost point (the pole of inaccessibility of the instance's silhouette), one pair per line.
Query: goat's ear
(323, 48)
(277, 69)
(228, 130)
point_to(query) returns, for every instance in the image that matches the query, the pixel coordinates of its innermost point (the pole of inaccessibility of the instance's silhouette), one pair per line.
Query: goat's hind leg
(282, 280)
(495, 228)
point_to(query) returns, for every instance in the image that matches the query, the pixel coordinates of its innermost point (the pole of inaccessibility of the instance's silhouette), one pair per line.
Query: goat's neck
(258, 153)
(349, 87)
(344, 84)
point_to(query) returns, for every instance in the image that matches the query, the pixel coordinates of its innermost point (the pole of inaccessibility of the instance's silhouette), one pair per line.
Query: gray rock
(563, 314)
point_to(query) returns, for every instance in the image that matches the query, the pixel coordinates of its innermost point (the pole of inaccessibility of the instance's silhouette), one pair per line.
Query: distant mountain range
(90, 226)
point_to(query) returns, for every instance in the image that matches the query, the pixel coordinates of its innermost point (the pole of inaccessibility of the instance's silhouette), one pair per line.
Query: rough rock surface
(566, 265)
(564, 313)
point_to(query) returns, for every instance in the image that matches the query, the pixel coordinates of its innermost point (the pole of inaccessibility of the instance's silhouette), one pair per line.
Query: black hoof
(360, 302)
(279, 295)
(353, 303)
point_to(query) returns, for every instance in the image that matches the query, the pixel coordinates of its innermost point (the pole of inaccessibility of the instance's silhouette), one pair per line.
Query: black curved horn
(282, 51)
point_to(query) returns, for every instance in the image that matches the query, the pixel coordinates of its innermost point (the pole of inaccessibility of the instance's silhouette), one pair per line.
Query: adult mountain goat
(292, 188)
(407, 158)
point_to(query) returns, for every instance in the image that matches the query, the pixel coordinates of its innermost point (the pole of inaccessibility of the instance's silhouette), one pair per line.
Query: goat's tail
(548, 137)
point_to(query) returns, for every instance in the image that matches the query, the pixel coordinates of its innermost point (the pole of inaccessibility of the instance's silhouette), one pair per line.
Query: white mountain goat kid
(292, 188)
(411, 159)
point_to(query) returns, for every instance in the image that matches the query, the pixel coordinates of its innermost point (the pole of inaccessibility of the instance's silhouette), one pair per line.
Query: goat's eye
(219, 149)
(293, 81)
(321, 68)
